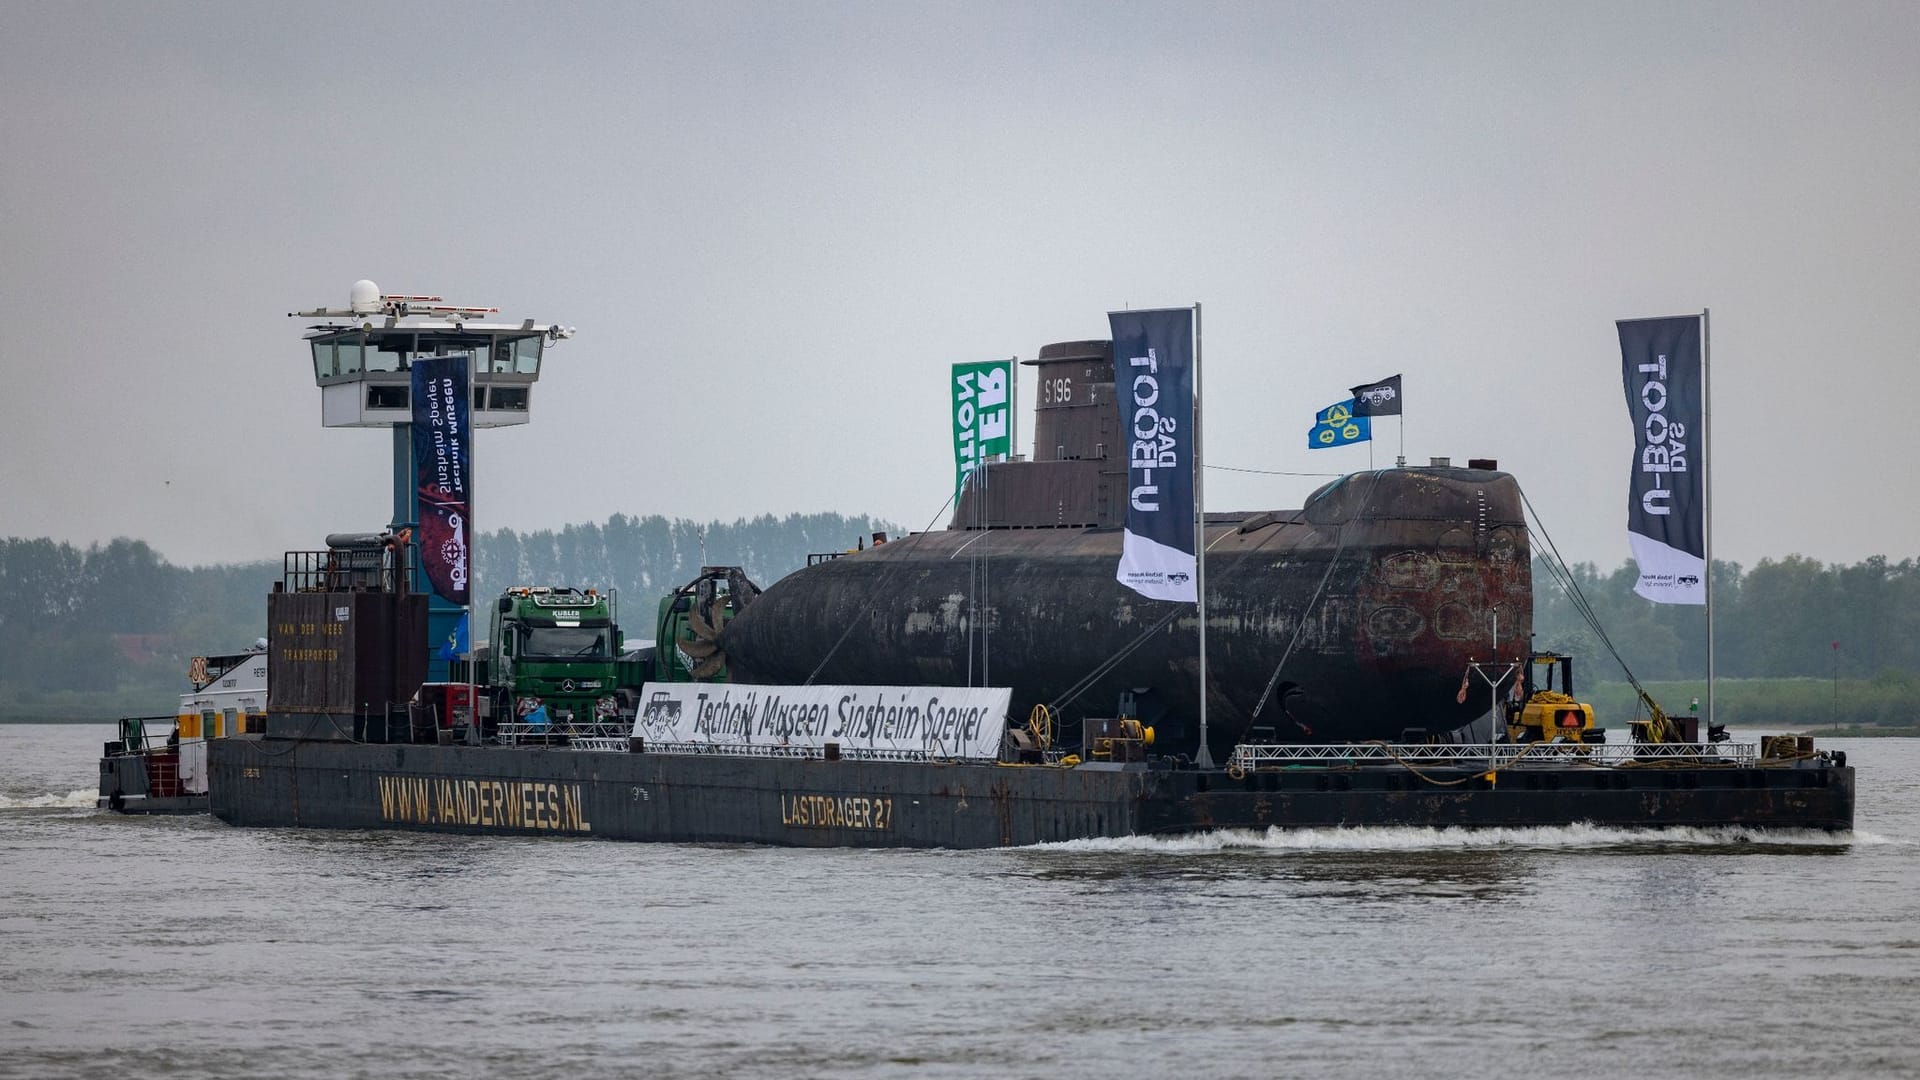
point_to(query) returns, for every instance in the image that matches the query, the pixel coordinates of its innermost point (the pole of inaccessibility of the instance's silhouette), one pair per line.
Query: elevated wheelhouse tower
(362, 362)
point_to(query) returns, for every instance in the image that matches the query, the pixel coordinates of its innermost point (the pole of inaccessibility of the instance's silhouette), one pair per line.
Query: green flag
(982, 415)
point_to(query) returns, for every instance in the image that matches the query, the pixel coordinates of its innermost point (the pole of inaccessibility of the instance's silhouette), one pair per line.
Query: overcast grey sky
(776, 225)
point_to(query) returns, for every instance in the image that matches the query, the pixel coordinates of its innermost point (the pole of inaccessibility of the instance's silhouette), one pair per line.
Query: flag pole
(1706, 483)
(1013, 407)
(1204, 759)
(473, 551)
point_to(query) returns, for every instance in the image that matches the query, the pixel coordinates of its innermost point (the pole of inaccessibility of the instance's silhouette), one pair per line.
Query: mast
(473, 556)
(1706, 483)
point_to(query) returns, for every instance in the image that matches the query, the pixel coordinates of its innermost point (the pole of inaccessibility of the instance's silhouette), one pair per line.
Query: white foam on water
(1574, 837)
(77, 798)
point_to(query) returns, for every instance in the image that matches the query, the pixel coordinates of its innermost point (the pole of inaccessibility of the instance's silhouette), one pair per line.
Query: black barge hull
(817, 803)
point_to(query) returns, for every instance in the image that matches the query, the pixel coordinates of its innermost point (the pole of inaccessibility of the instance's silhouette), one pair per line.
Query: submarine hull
(1352, 618)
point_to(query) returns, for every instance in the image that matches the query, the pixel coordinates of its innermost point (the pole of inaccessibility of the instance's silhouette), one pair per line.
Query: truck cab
(554, 648)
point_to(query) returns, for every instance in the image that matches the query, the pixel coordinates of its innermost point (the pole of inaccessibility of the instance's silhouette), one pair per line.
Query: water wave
(1408, 838)
(75, 799)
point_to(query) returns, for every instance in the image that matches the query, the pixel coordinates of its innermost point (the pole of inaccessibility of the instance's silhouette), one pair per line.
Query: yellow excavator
(1543, 714)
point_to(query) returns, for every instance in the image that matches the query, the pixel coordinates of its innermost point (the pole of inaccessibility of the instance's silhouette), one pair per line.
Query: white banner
(941, 721)
(1668, 575)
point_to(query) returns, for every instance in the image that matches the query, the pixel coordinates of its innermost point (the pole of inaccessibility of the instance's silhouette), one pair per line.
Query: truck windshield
(568, 641)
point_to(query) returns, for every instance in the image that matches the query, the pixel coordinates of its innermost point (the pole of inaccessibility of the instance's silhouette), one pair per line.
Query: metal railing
(756, 750)
(1480, 755)
(599, 743)
(562, 733)
(140, 734)
(357, 569)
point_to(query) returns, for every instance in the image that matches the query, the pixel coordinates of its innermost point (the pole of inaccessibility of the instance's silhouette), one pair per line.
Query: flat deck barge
(713, 797)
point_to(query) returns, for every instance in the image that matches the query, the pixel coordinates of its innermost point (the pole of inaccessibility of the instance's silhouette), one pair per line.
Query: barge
(357, 738)
(1339, 632)
(814, 801)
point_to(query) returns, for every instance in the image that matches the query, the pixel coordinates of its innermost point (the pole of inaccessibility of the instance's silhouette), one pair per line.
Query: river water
(181, 947)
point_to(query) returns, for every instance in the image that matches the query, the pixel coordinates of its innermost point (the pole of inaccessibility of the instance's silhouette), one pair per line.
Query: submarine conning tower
(1076, 477)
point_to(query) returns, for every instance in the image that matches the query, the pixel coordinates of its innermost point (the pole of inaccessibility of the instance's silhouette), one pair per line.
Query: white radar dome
(364, 297)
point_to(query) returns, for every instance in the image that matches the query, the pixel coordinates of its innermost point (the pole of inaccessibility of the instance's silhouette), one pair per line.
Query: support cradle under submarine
(1331, 630)
(1350, 619)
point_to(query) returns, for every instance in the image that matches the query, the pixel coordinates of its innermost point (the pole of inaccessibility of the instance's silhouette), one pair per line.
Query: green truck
(552, 657)
(555, 655)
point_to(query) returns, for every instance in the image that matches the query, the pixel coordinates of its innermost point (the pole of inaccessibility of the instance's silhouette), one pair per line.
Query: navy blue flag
(457, 643)
(1666, 499)
(443, 470)
(1377, 399)
(1153, 382)
(1338, 425)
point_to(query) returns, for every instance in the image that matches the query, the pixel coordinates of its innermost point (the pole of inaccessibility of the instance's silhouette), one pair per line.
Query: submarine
(1351, 618)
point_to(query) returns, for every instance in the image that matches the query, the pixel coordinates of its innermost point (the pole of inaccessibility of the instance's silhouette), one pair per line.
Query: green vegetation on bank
(1784, 618)
(1884, 704)
(108, 630)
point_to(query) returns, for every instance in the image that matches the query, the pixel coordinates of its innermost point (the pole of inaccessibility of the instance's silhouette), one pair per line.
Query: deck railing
(1481, 755)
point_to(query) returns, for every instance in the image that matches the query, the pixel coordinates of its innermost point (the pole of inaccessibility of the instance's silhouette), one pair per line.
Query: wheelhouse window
(387, 397)
(520, 356)
(337, 357)
(390, 354)
(526, 355)
(507, 399)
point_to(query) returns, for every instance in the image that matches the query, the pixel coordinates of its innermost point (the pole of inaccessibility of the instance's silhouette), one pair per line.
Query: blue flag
(457, 643)
(1662, 364)
(1336, 425)
(1153, 361)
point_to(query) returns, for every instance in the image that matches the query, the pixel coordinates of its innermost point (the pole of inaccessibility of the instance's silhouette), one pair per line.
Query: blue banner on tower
(443, 471)
(1153, 382)
(1666, 499)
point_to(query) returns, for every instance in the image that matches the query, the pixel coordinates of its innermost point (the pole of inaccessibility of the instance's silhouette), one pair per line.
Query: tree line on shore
(114, 625)
(1782, 618)
(116, 619)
